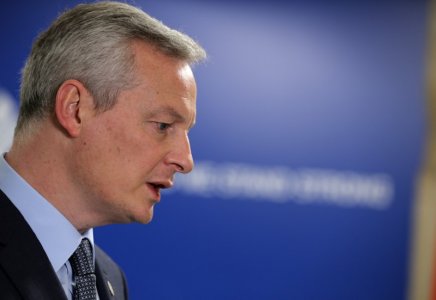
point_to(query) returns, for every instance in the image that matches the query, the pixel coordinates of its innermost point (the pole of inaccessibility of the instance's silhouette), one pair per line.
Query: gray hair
(91, 43)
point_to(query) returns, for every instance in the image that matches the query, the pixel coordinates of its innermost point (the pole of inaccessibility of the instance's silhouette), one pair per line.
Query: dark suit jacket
(26, 272)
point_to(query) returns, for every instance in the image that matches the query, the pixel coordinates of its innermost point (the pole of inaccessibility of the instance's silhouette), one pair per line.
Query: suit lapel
(111, 284)
(102, 283)
(23, 258)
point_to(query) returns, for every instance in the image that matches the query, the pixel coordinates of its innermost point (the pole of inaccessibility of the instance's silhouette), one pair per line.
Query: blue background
(334, 85)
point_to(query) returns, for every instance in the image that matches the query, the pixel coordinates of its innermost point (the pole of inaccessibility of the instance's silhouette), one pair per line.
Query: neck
(44, 164)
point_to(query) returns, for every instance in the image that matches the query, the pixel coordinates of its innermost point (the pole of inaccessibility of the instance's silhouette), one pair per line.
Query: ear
(72, 101)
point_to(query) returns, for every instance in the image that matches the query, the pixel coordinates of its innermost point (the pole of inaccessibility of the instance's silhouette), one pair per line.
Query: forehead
(166, 83)
(157, 69)
(149, 59)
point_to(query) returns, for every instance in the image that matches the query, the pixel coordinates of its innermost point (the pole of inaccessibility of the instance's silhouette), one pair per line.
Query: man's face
(130, 152)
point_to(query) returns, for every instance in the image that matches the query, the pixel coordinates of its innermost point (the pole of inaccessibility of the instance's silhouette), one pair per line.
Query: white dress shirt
(57, 235)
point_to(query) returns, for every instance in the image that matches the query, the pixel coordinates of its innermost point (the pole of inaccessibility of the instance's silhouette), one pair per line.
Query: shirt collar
(57, 235)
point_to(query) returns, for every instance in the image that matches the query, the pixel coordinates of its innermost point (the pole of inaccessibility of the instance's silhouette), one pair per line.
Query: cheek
(100, 154)
(120, 153)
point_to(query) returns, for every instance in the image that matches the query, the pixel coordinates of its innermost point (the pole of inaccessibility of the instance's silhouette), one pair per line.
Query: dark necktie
(83, 271)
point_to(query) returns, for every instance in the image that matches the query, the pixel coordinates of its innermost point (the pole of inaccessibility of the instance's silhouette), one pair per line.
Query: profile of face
(126, 155)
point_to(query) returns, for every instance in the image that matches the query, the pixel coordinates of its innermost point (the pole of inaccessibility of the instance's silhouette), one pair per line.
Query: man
(107, 101)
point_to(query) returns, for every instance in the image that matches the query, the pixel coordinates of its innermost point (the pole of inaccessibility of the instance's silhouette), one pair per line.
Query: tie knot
(82, 259)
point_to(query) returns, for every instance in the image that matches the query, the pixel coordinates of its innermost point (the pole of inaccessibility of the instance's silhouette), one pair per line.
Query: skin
(109, 167)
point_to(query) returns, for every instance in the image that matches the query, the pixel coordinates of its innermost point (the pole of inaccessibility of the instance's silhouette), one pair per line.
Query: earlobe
(69, 101)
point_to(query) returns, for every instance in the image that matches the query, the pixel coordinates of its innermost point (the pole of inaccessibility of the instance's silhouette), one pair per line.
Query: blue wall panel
(309, 136)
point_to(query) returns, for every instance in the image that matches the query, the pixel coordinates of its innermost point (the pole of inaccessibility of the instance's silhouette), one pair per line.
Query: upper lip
(162, 184)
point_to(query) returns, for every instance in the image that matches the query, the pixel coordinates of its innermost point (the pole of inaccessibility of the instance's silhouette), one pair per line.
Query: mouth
(156, 187)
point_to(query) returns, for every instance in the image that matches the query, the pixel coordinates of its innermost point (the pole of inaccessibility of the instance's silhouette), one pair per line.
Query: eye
(162, 126)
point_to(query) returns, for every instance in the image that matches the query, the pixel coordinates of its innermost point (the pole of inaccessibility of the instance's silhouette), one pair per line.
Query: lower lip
(155, 192)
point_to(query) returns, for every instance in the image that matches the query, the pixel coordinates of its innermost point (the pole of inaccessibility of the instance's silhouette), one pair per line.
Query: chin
(144, 220)
(145, 217)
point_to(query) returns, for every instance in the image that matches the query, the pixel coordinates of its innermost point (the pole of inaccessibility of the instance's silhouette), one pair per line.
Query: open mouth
(155, 188)
(157, 184)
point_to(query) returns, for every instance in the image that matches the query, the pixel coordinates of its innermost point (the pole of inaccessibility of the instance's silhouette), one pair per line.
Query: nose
(181, 155)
